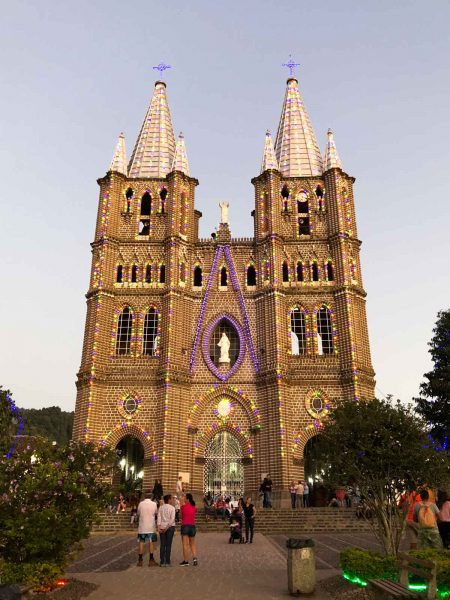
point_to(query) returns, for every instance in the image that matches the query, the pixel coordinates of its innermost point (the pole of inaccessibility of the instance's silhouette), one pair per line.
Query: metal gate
(224, 470)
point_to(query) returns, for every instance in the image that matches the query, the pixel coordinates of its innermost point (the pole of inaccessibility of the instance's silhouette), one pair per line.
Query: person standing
(188, 529)
(306, 494)
(292, 491)
(444, 519)
(250, 513)
(268, 492)
(425, 514)
(299, 493)
(407, 503)
(157, 491)
(166, 528)
(147, 510)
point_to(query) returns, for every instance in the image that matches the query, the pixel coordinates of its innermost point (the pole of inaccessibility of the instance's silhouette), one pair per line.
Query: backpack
(426, 517)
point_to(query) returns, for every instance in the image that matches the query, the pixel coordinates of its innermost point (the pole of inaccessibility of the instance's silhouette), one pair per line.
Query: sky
(76, 74)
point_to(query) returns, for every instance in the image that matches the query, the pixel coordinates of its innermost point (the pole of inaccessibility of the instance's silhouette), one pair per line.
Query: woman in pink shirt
(188, 529)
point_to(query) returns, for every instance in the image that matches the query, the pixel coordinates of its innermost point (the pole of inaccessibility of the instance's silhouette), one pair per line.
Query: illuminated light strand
(238, 290)
(317, 423)
(125, 425)
(99, 283)
(121, 405)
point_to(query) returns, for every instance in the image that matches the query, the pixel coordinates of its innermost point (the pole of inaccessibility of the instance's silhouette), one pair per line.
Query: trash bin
(301, 566)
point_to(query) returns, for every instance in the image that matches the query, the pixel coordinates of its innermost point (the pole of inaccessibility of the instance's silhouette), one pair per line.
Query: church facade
(218, 358)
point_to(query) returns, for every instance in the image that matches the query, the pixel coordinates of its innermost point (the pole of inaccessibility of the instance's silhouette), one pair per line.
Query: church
(218, 359)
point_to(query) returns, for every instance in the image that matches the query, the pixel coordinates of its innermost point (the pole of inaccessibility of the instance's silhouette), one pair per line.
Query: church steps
(311, 520)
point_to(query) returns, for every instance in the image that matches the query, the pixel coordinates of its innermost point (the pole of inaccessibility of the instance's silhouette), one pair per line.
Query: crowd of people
(427, 521)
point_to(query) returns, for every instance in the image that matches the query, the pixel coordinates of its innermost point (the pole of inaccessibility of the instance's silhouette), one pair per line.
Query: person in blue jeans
(166, 528)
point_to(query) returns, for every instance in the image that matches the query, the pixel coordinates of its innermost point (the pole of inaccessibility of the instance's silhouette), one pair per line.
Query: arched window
(303, 226)
(119, 276)
(266, 270)
(163, 196)
(183, 273)
(124, 325)
(299, 271)
(324, 331)
(146, 204)
(319, 196)
(151, 337)
(223, 277)
(298, 331)
(128, 198)
(285, 198)
(148, 274)
(330, 271)
(162, 273)
(265, 219)
(315, 271)
(134, 273)
(302, 203)
(251, 275)
(198, 276)
(144, 227)
(285, 271)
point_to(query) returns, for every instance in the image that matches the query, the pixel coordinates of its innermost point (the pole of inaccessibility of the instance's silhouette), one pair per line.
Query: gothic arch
(201, 405)
(124, 429)
(203, 439)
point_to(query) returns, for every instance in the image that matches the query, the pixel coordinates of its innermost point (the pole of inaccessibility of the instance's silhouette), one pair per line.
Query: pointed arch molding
(220, 253)
(303, 437)
(201, 404)
(113, 437)
(206, 342)
(202, 440)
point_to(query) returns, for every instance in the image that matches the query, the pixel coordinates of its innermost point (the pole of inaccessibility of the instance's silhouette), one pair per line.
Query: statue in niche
(319, 345)
(224, 206)
(295, 347)
(224, 345)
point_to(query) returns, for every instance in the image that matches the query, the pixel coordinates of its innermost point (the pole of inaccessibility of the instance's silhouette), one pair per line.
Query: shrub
(368, 565)
(38, 575)
(51, 496)
(364, 565)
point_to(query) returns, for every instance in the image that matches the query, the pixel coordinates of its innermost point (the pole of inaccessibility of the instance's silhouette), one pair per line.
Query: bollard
(301, 566)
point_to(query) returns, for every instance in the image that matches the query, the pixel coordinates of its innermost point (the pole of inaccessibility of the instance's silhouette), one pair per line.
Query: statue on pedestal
(224, 345)
(224, 206)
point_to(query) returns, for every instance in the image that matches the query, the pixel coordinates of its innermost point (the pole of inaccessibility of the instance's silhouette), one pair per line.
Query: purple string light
(206, 339)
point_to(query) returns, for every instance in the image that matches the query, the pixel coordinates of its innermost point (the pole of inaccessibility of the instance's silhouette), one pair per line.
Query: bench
(426, 569)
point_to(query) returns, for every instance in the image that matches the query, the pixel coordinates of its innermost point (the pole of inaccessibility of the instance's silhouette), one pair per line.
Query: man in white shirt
(147, 510)
(166, 528)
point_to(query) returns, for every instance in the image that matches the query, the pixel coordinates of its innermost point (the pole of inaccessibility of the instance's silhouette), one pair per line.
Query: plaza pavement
(251, 572)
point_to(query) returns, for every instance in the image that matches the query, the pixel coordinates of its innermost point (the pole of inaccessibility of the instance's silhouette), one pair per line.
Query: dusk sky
(76, 74)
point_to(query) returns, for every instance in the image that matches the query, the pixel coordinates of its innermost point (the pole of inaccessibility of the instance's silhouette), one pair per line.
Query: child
(235, 530)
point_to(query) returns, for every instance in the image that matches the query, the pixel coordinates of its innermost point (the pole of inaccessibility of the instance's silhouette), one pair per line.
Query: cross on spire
(290, 65)
(161, 68)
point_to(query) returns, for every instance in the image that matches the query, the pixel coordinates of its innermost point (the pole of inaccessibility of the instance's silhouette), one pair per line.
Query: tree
(382, 447)
(11, 423)
(50, 498)
(50, 422)
(434, 401)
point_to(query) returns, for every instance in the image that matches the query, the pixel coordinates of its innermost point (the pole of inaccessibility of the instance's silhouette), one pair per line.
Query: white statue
(224, 345)
(319, 345)
(224, 206)
(295, 347)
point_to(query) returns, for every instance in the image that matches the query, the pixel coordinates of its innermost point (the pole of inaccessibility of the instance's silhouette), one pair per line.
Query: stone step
(267, 521)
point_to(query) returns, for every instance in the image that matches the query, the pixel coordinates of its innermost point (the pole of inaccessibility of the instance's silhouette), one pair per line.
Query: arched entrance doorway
(130, 453)
(224, 469)
(315, 463)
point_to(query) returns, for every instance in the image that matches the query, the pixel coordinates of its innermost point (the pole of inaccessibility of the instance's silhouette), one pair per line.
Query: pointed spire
(296, 147)
(331, 159)
(119, 161)
(180, 161)
(155, 147)
(269, 160)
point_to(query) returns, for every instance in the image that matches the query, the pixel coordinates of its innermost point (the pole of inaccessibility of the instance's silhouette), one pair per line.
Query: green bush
(39, 575)
(368, 565)
(364, 565)
(50, 498)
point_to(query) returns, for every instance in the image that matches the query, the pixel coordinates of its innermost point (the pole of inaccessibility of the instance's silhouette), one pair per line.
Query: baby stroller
(236, 529)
